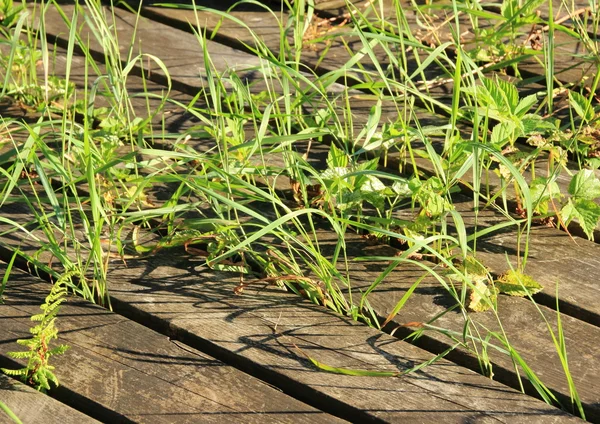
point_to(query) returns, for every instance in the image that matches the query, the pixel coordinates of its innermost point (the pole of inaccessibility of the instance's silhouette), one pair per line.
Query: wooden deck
(180, 346)
(33, 407)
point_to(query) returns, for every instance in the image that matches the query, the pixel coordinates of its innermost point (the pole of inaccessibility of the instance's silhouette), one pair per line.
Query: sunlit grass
(244, 189)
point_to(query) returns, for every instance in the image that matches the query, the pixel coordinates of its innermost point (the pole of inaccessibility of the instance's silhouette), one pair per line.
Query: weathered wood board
(326, 48)
(31, 406)
(360, 109)
(553, 258)
(182, 52)
(569, 67)
(117, 369)
(465, 213)
(263, 329)
(524, 325)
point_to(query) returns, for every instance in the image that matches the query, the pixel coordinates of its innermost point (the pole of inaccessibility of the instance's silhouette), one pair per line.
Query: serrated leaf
(414, 185)
(585, 184)
(334, 172)
(541, 191)
(536, 124)
(497, 97)
(515, 283)
(401, 188)
(528, 11)
(14, 373)
(502, 133)
(580, 104)
(336, 158)
(593, 163)
(585, 211)
(373, 185)
(18, 355)
(525, 104)
(509, 8)
(509, 94)
(374, 198)
(483, 296)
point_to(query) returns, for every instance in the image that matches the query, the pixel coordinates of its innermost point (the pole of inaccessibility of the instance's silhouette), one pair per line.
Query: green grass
(245, 187)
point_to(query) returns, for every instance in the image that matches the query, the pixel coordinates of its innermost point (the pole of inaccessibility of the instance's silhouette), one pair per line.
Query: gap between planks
(119, 370)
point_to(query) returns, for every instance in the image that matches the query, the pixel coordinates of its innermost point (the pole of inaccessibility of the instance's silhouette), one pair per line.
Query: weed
(38, 372)
(380, 144)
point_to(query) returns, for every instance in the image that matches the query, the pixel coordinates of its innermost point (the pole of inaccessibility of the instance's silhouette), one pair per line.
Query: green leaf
(475, 268)
(525, 104)
(374, 198)
(373, 121)
(581, 106)
(368, 165)
(429, 196)
(502, 133)
(335, 172)
(509, 8)
(373, 185)
(496, 97)
(593, 163)
(585, 211)
(337, 158)
(585, 185)
(541, 191)
(509, 93)
(535, 124)
(529, 9)
(401, 188)
(515, 283)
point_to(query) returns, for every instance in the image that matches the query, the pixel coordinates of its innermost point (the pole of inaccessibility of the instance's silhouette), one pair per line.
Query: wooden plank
(145, 97)
(147, 32)
(262, 330)
(524, 326)
(339, 43)
(575, 297)
(267, 28)
(181, 51)
(553, 258)
(573, 64)
(357, 277)
(116, 369)
(569, 67)
(31, 406)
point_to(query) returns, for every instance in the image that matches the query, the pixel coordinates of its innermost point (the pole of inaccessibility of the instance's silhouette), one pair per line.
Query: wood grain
(525, 326)
(31, 406)
(262, 330)
(116, 369)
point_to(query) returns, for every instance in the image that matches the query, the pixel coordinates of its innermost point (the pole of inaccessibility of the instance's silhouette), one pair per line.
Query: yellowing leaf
(483, 296)
(515, 283)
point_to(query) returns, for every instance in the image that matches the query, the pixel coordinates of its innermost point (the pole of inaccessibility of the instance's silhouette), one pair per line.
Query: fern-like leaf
(38, 372)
